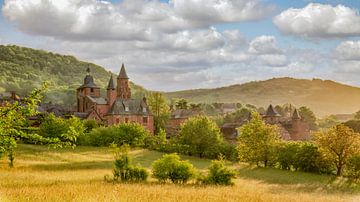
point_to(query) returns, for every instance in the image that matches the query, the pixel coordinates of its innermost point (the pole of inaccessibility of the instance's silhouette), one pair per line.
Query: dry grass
(78, 175)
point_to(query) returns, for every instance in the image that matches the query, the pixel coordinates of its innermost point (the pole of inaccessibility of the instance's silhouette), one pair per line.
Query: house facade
(117, 107)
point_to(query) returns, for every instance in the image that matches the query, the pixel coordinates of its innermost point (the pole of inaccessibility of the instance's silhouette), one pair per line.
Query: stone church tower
(122, 88)
(89, 88)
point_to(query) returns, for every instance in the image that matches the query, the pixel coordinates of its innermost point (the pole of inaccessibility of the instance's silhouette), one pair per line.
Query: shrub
(353, 168)
(170, 167)
(90, 125)
(67, 130)
(132, 134)
(219, 174)
(124, 170)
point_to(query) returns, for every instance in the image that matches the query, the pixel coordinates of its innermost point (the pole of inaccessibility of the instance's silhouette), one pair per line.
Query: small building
(178, 117)
(117, 107)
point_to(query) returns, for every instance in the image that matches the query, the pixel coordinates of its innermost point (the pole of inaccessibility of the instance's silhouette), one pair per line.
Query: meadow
(45, 174)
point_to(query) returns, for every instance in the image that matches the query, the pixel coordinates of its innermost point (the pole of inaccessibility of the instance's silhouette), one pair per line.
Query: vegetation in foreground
(43, 174)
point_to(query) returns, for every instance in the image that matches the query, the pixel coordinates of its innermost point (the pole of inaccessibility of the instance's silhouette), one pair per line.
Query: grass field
(43, 174)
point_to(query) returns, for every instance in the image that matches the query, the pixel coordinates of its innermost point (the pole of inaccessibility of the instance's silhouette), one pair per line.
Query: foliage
(353, 168)
(328, 122)
(353, 124)
(67, 130)
(239, 115)
(219, 174)
(90, 124)
(201, 134)
(170, 167)
(124, 170)
(301, 156)
(14, 121)
(257, 140)
(357, 115)
(339, 143)
(159, 109)
(181, 104)
(132, 134)
(309, 117)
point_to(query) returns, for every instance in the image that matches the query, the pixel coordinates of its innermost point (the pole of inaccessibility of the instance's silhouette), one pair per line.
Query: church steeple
(122, 89)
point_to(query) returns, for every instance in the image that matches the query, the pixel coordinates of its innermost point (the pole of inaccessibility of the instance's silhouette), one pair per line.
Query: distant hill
(322, 96)
(22, 69)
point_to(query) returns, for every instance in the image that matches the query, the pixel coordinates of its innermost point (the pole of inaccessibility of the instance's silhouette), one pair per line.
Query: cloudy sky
(182, 44)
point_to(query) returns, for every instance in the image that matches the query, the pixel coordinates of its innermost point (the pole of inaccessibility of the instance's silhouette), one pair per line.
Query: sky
(187, 44)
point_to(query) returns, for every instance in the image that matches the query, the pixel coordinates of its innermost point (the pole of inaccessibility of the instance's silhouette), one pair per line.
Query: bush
(90, 125)
(124, 170)
(301, 156)
(132, 134)
(353, 168)
(66, 130)
(219, 174)
(170, 167)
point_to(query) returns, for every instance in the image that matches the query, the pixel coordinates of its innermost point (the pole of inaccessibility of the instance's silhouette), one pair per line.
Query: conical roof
(296, 114)
(122, 74)
(271, 111)
(111, 85)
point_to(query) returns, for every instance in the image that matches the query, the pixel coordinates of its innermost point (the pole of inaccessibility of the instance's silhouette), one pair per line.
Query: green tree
(340, 143)
(14, 121)
(257, 141)
(309, 117)
(201, 134)
(182, 104)
(328, 122)
(159, 109)
(357, 115)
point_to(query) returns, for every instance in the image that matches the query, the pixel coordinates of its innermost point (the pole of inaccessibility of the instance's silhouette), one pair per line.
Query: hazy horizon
(186, 44)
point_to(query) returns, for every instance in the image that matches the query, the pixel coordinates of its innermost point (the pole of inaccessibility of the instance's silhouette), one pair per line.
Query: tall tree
(160, 110)
(201, 134)
(256, 140)
(309, 117)
(340, 143)
(357, 115)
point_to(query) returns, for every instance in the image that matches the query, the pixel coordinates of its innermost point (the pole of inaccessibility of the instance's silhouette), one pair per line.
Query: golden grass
(78, 175)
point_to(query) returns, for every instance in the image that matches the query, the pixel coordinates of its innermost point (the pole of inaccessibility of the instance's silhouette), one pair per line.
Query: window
(144, 110)
(91, 90)
(126, 108)
(145, 119)
(126, 120)
(117, 120)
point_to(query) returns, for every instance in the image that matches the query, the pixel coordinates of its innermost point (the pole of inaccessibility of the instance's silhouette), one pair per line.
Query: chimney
(13, 95)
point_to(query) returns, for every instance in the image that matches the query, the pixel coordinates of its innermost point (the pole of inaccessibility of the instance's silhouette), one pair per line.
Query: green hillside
(22, 69)
(322, 96)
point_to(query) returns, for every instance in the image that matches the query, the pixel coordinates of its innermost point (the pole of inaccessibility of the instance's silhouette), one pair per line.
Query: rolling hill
(22, 69)
(322, 96)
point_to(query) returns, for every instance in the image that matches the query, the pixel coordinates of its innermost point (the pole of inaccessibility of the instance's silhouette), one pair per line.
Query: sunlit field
(42, 174)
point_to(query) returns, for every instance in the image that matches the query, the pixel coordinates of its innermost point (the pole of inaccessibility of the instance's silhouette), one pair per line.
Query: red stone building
(117, 107)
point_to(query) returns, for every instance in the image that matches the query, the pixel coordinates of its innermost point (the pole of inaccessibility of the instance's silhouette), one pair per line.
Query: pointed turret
(296, 115)
(122, 74)
(111, 85)
(271, 111)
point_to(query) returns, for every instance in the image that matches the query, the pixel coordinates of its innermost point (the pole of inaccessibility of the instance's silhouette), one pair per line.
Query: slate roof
(122, 74)
(129, 107)
(271, 111)
(111, 85)
(97, 100)
(183, 113)
(296, 115)
(89, 81)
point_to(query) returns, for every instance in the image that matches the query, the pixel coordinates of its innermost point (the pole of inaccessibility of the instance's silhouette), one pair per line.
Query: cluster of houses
(119, 107)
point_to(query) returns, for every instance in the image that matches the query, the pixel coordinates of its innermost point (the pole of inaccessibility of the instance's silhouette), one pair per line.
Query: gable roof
(129, 107)
(97, 100)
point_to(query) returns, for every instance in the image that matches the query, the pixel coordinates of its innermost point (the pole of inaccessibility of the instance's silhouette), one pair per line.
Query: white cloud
(348, 50)
(264, 45)
(319, 21)
(129, 20)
